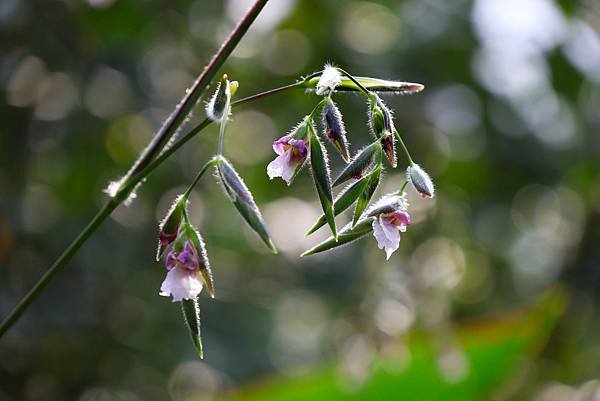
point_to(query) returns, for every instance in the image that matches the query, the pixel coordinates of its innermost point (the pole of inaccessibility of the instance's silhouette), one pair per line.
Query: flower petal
(387, 235)
(280, 144)
(181, 284)
(280, 167)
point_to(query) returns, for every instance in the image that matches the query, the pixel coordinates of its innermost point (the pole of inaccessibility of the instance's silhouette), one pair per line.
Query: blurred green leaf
(495, 350)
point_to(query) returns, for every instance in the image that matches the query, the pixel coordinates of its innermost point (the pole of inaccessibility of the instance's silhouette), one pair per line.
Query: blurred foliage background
(507, 126)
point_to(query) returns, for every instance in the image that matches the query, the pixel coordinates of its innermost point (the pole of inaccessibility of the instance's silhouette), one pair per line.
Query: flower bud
(329, 79)
(335, 130)
(218, 102)
(420, 181)
(381, 123)
(388, 204)
(359, 164)
(320, 168)
(242, 199)
(169, 226)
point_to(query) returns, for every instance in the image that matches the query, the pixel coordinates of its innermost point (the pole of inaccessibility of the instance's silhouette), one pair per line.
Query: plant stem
(183, 109)
(404, 148)
(206, 166)
(139, 171)
(360, 86)
(267, 93)
(111, 205)
(57, 266)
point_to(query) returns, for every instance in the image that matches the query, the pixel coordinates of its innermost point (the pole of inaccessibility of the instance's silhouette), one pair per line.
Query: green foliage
(493, 351)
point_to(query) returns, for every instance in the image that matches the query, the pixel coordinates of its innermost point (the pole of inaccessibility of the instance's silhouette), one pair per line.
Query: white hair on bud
(217, 104)
(330, 78)
(420, 181)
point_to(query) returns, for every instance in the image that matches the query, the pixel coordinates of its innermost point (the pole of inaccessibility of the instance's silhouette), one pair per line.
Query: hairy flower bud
(335, 130)
(381, 123)
(242, 199)
(420, 181)
(358, 165)
(169, 226)
(218, 102)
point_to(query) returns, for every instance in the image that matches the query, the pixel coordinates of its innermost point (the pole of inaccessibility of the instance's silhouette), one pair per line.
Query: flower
(391, 218)
(330, 78)
(420, 181)
(184, 279)
(291, 155)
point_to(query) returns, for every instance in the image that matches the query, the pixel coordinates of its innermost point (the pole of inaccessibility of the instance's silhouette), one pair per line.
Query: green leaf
(242, 199)
(365, 197)
(495, 349)
(359, 164)
(320, 168)
(191, 315)
(343, 201)
(348, 234)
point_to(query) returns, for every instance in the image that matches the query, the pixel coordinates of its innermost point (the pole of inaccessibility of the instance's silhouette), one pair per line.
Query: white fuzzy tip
(330, 78)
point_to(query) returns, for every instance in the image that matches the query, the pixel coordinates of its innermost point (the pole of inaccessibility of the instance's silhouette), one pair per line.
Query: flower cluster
(180, 243)
(388, 217)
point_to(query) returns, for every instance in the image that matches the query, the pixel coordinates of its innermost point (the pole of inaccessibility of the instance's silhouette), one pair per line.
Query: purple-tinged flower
(391, 218)
(420, 181)
(169, 226)
(184, 278)
(291, 156)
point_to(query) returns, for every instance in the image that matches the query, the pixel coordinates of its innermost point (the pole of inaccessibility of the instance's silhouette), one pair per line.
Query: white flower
(292, 153)
(388, 225)
(181, 283)
(330, 78)
(184, 280)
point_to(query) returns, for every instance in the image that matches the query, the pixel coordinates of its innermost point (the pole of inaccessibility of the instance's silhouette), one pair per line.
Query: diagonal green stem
(57, 266)
(139, 171)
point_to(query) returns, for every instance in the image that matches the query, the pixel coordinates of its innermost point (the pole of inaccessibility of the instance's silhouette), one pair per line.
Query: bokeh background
(507, 126)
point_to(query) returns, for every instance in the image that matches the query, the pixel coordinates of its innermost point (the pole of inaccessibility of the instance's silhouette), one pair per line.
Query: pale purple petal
(171, 260)
(181, 284)
(386, 234)
(280, 167)
(280, 144)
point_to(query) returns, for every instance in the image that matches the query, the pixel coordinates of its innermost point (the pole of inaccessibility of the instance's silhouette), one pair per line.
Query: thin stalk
(314, 111)
(267, 93)
(206, 166)
(364, 90)
(404, 148)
